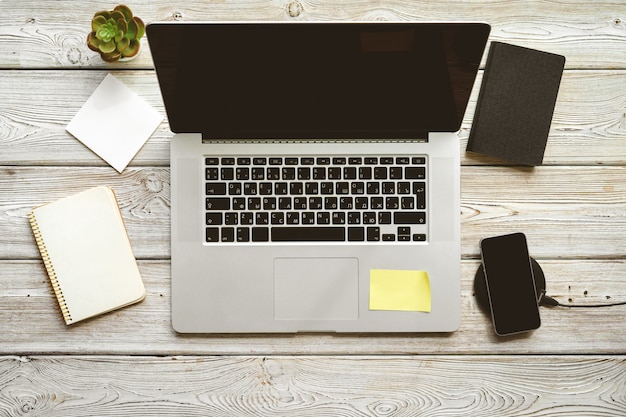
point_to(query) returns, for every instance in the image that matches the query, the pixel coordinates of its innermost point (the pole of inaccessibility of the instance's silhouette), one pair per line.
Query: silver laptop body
(245, 105)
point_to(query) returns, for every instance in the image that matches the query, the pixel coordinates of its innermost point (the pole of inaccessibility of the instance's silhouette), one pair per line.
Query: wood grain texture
(42, 103)
(313, 386)
(590, 34)
(567, 212)
(31, 323)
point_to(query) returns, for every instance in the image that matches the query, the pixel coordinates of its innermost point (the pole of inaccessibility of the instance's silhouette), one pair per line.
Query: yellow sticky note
(399, 290)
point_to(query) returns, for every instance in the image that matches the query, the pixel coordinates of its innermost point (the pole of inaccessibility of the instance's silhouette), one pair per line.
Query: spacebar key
(308, 234)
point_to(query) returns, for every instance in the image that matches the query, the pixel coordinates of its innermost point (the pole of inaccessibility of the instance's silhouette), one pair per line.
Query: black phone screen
(510, 283)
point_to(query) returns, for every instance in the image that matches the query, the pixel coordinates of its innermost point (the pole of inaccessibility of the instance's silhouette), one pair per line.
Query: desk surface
(130, 362)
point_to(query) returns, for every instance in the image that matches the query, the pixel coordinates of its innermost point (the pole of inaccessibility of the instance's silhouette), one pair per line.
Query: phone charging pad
(480, 285)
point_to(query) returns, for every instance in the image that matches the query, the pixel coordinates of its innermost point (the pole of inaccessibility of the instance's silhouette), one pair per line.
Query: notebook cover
(87, 253)
(516, 103)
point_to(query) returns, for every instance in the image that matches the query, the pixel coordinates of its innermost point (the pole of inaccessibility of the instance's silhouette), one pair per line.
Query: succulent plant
(116, 33)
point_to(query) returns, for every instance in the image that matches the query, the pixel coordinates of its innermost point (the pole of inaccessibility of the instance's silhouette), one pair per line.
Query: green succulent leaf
(108, 31)
(131, 30)
(122, 27)
(125, 10)
(116, 15)
(111, 57)
(141, 27)
(107, 47)
(104, 13)
(97, 23)
(93, 42)
(123, 45)
(132, 50)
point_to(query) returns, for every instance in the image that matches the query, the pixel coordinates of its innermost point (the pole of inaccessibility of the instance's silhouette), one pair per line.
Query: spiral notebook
(87, 253)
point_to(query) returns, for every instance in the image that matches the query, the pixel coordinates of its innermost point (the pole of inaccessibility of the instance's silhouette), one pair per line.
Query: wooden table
(131, 362)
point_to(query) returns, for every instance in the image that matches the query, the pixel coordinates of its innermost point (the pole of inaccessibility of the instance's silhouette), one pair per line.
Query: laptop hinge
(259, 141)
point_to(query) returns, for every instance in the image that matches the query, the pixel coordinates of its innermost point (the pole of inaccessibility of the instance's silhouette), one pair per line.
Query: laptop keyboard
(359, 199)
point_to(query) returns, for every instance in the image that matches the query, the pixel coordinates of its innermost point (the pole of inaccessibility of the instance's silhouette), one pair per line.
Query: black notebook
(516, 103)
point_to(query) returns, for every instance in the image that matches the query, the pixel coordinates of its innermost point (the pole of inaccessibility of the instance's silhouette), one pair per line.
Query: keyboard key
(242, 174)
(228, 161)
(231, 218)
(384, 217)
(342, 187)
(227, 174)
(239, 203)
(365, 173)
(213, 219)
(277, 217)
(319, 173)
(243, 234)
(260, 234)
(380, 173)
(356, 234)
(211, 161)
(212, 234)
(246, 219)
(228, 234)
(389, 237)
(235, 188)
(395, 173)
(334, 173)
(415, 173)
(419, 238)
(218, 203)
(212, 174)
(261, 218)
(215, 188)
(258, 174)
(308, 217)
(288, 173)
(409, 217)
(339, 217)
(354, 217)
(349, 173)
(259, 161)
(323, 217)
(293, 218)
(373, 234)
(308, 234)
(273, 173)
(404, 231)
(243, 161)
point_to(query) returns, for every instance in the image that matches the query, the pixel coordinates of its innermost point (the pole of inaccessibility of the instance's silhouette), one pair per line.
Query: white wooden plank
(312, 386)
(565, 211)
(590, 34)
(31, 322)
(38, 105)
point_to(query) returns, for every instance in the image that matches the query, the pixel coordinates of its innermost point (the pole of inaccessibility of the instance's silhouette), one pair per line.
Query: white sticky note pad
(114, 123)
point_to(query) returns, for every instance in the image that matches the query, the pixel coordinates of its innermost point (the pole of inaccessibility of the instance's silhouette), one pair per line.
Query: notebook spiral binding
(50, 268)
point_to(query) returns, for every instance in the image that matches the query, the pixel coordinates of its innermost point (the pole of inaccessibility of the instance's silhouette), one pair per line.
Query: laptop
(315, 173)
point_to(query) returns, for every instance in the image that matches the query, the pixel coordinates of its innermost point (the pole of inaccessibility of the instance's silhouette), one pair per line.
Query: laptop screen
(316, 80)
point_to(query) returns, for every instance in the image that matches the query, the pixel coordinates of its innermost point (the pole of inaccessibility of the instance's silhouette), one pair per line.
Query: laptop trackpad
(316, 288)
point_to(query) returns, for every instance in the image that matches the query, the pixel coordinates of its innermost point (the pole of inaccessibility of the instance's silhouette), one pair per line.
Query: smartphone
(510, 284)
